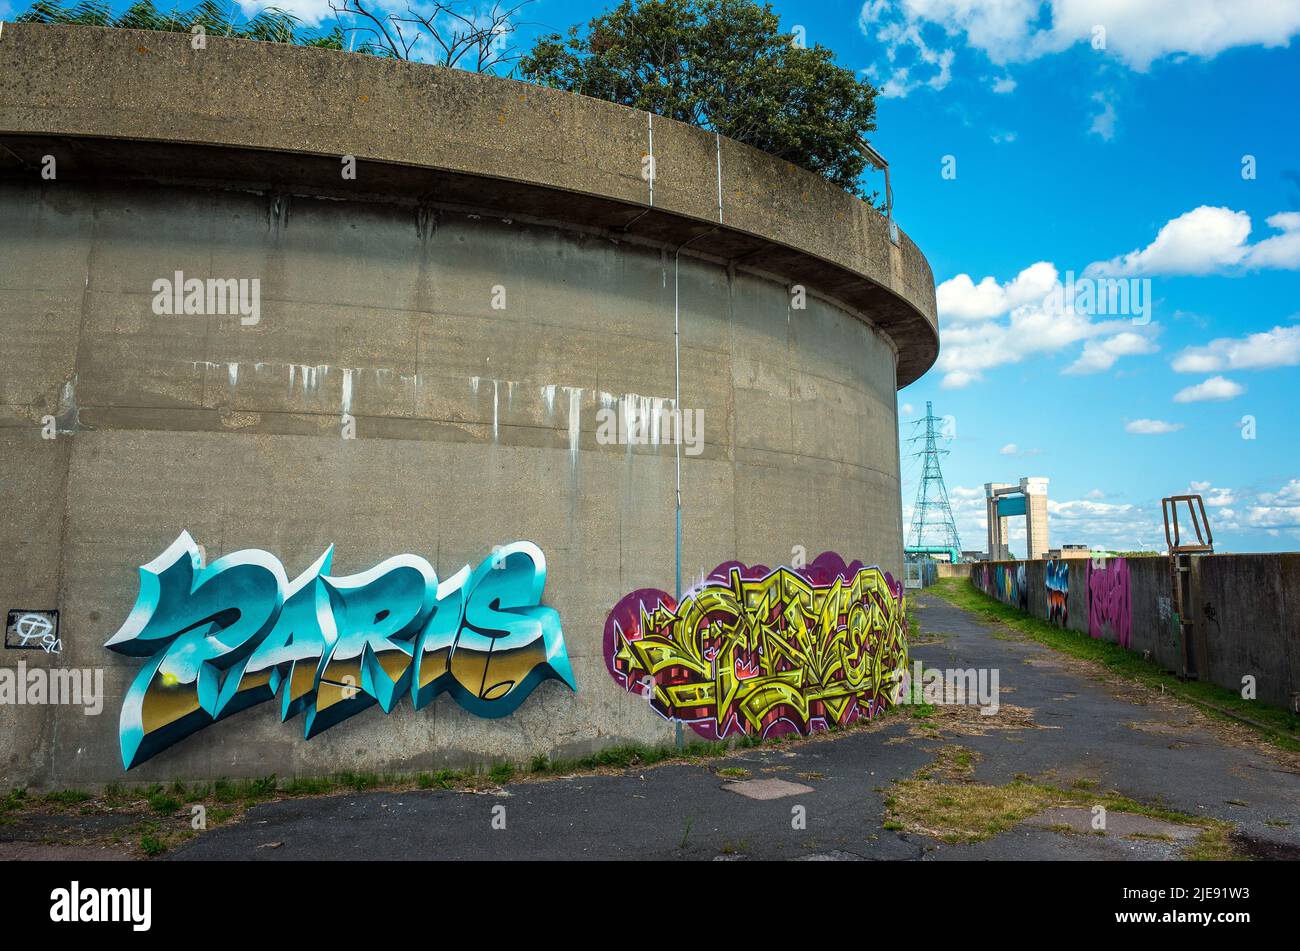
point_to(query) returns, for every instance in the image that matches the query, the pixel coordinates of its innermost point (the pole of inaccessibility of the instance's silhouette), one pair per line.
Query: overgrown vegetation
(269, 25)
(1276, 725)
(722, 65)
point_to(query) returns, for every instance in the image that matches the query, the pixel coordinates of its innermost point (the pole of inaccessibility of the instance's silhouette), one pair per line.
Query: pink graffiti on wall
(1109, 614)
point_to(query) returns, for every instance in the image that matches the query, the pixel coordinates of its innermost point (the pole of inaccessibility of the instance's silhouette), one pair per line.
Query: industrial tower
(933, 528)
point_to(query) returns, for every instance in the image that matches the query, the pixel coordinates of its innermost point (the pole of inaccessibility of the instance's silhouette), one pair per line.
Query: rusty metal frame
(1204, 539)
(1180, 572)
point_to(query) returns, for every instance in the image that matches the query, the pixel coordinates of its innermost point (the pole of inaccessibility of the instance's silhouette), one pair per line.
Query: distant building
(1004, 501)
(1069, 551)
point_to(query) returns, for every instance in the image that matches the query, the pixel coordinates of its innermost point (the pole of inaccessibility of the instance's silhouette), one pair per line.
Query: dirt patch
(1264, 850)
(966, 720)
(942, 801)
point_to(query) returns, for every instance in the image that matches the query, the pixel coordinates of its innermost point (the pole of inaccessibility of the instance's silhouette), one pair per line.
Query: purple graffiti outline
(1109, 603)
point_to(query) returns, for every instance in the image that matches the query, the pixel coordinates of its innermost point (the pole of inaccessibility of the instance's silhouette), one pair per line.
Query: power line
(932, 521)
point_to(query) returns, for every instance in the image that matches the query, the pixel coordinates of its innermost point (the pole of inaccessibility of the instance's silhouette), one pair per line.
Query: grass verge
(1275, 725)
(942, 802)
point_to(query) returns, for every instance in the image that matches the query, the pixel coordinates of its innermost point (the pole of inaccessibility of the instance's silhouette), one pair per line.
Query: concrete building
(1069, 551)
(436, 339)
(1004, 500)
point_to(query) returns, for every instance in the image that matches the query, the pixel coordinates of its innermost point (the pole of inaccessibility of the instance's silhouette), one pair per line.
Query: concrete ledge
(145, 105)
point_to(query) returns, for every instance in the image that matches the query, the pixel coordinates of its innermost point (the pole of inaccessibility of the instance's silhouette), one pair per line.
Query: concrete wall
(1246, 612)
(475, 426)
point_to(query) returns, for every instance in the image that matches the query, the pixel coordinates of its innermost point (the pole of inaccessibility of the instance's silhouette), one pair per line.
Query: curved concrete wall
(475, 423)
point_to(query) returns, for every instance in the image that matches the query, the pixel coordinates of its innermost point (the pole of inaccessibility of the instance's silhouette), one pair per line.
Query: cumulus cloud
(1281, 251)
(1151, 427)
(1279, 347)
(1010, 449)
(960, 298)
(1200, 241)
(1102, 524)
(1270, 512)
(1100, 355)
(918, 36)
(1215, 388)
(1213, 496)
(1003, 85)
(1207, 240)
(987, 324)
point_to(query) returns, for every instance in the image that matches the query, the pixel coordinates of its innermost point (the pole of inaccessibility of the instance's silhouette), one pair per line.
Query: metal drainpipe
(677, 407)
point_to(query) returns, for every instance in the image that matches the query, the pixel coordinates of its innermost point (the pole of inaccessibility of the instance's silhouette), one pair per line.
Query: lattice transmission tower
(932, 521)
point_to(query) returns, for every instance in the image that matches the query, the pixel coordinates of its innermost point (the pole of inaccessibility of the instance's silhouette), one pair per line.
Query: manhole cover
(767, 788)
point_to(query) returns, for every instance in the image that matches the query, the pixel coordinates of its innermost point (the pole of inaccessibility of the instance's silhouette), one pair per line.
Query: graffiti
(1109, 615)
(32, 630)
(223, 637)
(1008, 585)
(765, 652)
(1058, 593)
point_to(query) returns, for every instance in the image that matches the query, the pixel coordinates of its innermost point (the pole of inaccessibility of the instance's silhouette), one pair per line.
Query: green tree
(723, 65)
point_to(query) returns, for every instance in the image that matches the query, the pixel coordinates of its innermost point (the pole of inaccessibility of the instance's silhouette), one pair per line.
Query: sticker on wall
(26, 629)
(220, 638)
(764, 652)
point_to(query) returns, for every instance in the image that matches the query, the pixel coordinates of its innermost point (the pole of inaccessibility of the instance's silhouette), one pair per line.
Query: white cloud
(987, 325)
(1003, 85)
(311, 12)
(906, 409)
(1213, 496)
(1103, 123)
(1215, 388)
(960, 298)
(1101, 524)
(911, 63)
(1275, 510)
(1099, 355)
(1289, 494)
(1281, 251)
(1151, 427)
(1095, 494)
(1279, 347)
(1137, 32)
(1207, 240)
(1200, 241)
(1238, 511)
(1011, 449)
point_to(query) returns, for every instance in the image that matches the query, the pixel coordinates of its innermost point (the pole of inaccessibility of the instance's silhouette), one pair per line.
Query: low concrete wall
(1246, 611)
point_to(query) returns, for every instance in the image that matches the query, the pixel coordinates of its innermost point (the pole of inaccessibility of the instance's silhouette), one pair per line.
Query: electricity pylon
(932, 521)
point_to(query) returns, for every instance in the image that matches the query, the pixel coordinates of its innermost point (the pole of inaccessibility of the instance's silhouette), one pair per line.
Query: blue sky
(1105, 138)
